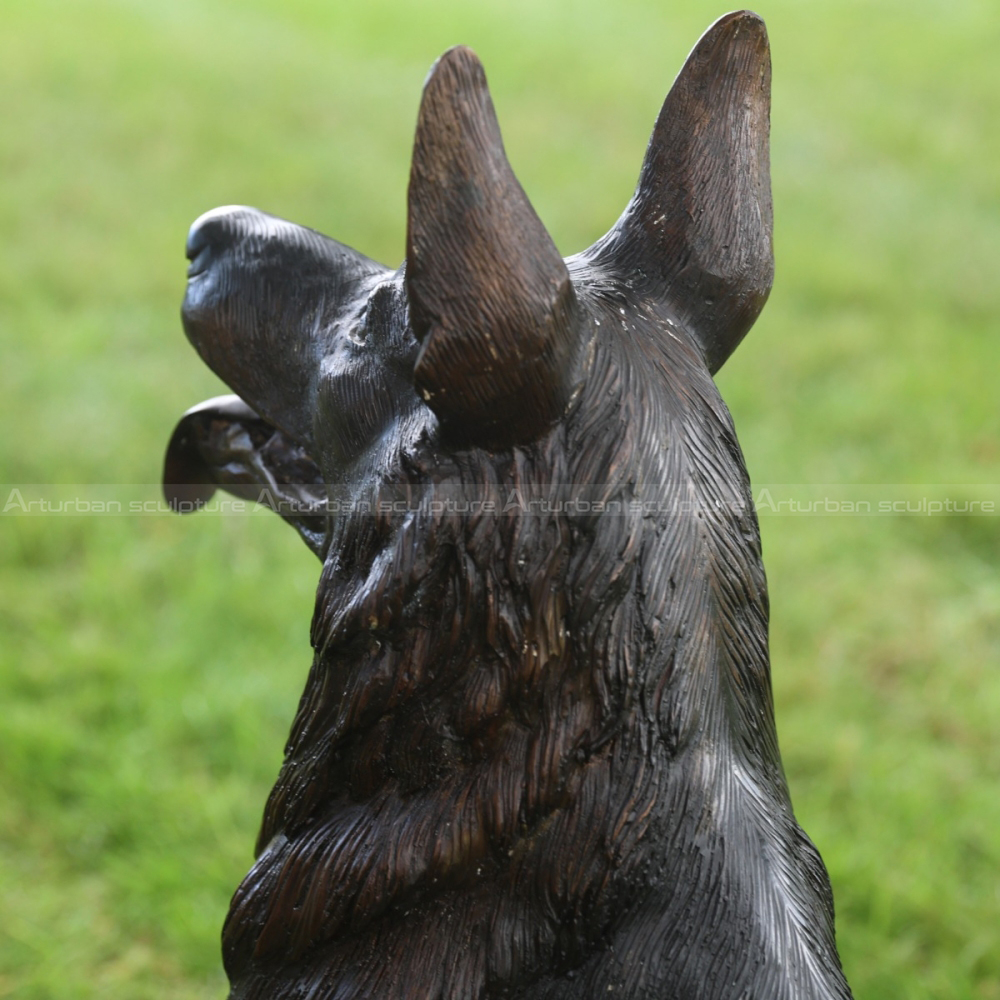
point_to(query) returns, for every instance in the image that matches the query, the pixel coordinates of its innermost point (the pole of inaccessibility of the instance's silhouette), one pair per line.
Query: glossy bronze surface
(536, 754)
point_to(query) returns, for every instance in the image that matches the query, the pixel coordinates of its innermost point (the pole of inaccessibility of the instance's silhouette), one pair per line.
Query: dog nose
(215, 231)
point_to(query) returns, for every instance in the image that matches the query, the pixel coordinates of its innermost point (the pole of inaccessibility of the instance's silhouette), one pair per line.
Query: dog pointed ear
(490, 298)
(697, 234)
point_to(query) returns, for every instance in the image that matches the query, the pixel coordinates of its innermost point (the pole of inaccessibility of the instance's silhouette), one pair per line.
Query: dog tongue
(188, 483)
(223, 443)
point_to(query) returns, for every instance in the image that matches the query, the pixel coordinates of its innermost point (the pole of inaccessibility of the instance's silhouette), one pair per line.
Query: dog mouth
(255, 310)
(223, 443)
(267, 305)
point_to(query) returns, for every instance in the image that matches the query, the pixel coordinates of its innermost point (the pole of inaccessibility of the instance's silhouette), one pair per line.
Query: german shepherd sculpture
(536, 753)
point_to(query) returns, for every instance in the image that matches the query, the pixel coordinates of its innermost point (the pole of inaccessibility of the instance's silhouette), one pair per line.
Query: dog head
(482, 337)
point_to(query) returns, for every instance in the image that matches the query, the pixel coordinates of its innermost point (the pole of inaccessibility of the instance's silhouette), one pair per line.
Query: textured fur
(536, 743)
(536, 753)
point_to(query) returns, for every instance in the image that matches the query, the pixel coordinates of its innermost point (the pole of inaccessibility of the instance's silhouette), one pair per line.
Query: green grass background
(150, 666)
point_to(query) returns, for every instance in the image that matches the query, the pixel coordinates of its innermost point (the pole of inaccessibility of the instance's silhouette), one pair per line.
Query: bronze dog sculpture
(536, 753)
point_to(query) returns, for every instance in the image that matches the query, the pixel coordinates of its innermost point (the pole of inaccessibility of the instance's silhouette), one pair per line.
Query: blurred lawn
(150, 667)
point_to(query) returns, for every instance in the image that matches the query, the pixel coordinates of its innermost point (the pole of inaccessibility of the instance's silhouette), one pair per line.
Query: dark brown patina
(536, 754)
